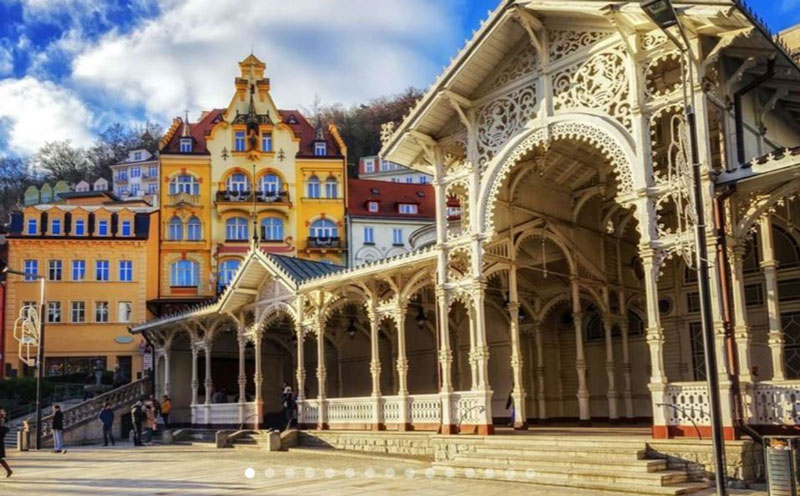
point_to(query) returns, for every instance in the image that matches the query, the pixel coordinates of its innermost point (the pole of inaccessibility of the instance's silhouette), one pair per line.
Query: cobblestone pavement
(204, 470)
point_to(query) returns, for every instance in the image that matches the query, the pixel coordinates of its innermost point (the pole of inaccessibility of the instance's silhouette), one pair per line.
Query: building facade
(96, 256)
(137, 177)
(376, 169)
(246, 171)
(384, 217)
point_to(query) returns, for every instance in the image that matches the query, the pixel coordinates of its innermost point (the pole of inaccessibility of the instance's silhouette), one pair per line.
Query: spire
(186, 132)
(320, 132)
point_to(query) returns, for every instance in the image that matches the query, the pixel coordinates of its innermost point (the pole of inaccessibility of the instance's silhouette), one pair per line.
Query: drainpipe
(724, 270)
(737, 106)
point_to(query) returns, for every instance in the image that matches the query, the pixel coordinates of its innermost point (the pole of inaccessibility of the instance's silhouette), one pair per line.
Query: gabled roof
(390, 194)
(301, 270)
(198, 131)
(303, 130)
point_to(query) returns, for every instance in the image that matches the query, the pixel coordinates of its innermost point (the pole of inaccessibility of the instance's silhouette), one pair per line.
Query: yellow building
(94, 252)
(244, 171)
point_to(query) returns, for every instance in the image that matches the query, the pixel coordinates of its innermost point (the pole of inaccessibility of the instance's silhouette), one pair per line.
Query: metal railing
(247, 196)
(324, 242)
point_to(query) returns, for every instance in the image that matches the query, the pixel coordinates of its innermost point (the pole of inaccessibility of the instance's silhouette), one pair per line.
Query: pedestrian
(149, 422)
(3, 431)
(58, 430)
(287, 400)
(99, 370)
(166, 406)
(107, 419)
(119, 377)
(137, 416)
(510, 405)
(156, 408)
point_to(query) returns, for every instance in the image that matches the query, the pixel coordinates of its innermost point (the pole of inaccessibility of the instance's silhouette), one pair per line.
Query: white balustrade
(228, 413)
(351, 410)
(309, 412)
(469, 406)
(687, 404)
(777, 403)
(391, 409)
(425, 409)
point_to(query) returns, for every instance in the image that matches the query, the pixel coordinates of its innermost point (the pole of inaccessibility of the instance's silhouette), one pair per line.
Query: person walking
(137, 416)
(58, 430)
(166, 406)
(510, 405)
(107, 419)
(287, 400)
(149, 422)
(3, 431)
(119, 377)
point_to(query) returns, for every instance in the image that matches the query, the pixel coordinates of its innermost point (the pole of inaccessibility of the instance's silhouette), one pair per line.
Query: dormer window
(55, 226)
(137, 156)
(266, 142)
(320, 149)
(408, 208)
(372, 206)
(126, 228)
(369, 166)
(186, 145)
(32, 226)
(102, 228)
(238, 141)
(292, 119)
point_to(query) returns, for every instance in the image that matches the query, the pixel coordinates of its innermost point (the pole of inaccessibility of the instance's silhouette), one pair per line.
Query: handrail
(681, 410)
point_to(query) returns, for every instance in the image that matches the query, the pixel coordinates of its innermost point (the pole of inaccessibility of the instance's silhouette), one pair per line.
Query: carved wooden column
(540, 370)
(321, 378)
(167, 383)
(655, 341)
(741, 329)
(301, 374)
(611, 371)
(580, 358)
(445, 363)
(402, 366)
(520, 419)
(195, 383)
(375, 368)
(770, 266)
(627, 391)
(242, 379)
(208, 383)
(258, 377)
(481, 351)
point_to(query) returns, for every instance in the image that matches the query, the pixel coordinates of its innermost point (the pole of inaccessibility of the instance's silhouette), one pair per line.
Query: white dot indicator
(369, 473)
(510, 473)
(489, 473)
(410, 473)
(449, 472)
(349, 473)
(310, 473)
(269, 473)
(389, 473)
(329, 473)
(430, 472)
(469, 473)
(530, 474)
(249, 473)
(289, 473)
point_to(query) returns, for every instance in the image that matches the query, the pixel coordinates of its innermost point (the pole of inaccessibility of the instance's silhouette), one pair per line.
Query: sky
(69, 68)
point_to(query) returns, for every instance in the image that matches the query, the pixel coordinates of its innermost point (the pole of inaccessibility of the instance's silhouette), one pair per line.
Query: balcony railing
(176, 199)
(325, 242)
(247, 196)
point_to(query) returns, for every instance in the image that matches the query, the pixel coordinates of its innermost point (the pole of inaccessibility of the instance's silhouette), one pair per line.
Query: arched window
(227, 270)
(238, 182)
(272, 229)
(270, 185)
(236, 229)
(175, 229)
(331, 188)
(787, 253)
(184, 273)
(184, 183)
(193, 229)
(323, 228)
(313, 187)
(635, 324)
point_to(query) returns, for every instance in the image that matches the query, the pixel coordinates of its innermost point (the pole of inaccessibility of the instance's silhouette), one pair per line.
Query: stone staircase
(604, 464)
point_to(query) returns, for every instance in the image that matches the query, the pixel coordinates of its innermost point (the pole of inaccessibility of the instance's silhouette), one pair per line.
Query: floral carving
(519, 65)
(663, 75)
(563, 43)
(501, 118)
(387, 130)
(652, 40)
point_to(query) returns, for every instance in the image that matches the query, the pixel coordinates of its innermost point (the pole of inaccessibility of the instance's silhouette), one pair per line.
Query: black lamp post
(662, 13)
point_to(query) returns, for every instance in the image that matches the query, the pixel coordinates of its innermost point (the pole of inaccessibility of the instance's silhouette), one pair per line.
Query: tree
(114, 143)
(60, 161)
(14, 178)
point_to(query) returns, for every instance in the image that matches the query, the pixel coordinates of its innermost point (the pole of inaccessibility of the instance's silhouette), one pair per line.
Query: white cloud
(345, 52)
(39, 111)
(6, 61)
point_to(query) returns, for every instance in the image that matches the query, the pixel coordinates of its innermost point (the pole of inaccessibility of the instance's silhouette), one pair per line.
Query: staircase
(614, 465)
(11, 436)
(251, 440)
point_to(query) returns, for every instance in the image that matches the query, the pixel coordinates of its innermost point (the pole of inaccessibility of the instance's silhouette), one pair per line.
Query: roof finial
(186, 131)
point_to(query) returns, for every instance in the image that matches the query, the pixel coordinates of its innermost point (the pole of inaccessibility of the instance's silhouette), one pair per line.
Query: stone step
(609, 461)
(566, 441)
(640, 489)
(559, 472)
(636, 453)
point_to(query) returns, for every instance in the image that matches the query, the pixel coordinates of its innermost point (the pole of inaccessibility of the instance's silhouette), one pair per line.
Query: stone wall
(744, 460)
(395, 443)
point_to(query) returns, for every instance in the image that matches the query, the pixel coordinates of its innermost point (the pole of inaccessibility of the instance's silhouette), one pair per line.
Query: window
(55, 226)
(369, 166)
(698, 353)
(410, 180)
(124, 311)
(238, 141)
(320, 149)
(790, 323)
(323, 228)
(227, 270)
(79, 270)
(54, 270)
(152, 188)
(122, 175)
(136, 171)
(635, 324)
(408, 208)
(186, 145)
(423, 179)
(238, 182)
(313, 187)
(266, 142)
(689, 276)
(54, 312)
(175, 229)
(270, 185)
(134, 189)
(30, 304)
(372, 206)
(693, 302)
(125, 270)
(137, 155)
(126, 228)
(102, 228)
(193, 229)
(754, 295)
(787, 252)
(332, 188)
(152, 171)
(183, 273)
(789, 290)
(80, 227)
(31, 269)
(272, 229)
(369, 236)
(184, 183)
(397, 237)
(101, 270)
(101, 311)
(236, 229)
(78, 312)
(32, 226)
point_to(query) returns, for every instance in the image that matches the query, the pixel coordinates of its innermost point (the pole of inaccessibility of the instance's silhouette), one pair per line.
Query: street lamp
(39, 350)
(662, 13)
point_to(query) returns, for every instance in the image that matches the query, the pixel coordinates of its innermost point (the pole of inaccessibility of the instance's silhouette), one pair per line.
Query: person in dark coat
(137, 416)
(287, 401)
(58, 430)
(107, 418)
(3, 431)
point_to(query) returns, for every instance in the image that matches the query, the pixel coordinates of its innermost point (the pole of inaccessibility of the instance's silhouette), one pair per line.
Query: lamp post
(662, 13)
(39, 350)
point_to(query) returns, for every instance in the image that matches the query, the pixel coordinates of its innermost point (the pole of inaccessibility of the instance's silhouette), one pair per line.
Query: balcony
(183, 199)
(326, 243)
(121, 178)
(247, 196)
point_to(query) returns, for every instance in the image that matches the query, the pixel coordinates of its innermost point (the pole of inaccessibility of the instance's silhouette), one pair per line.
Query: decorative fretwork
(387, 130)
(518, 66)
(687, 404)
(563, 43)
(663, 75)
(598, 83)
(791, 348)
(653, 39)
(501, 118)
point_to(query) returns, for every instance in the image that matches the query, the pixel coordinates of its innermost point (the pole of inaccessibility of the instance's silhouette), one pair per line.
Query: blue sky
(68, 68)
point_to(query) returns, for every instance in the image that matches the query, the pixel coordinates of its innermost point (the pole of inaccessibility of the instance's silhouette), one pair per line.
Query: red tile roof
(198, 131)
(307, 133)
(389, 195)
